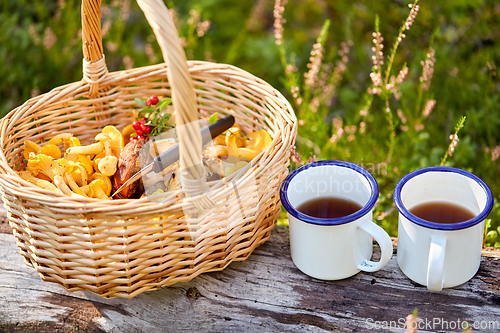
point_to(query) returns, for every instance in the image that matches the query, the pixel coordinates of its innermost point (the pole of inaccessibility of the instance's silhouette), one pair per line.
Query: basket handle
(182, 88)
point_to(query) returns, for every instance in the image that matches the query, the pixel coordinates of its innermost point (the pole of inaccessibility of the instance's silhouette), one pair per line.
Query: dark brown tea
(442, 212)
(329, 208)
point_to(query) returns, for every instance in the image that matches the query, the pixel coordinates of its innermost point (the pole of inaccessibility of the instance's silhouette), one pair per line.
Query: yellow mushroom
(46, 165)
(115, 140)
(28, 176)
(78, 173)
(129, 129)
(107, 165)
(73, 185)
(30, 147)
(232, 148)
(92, 149)
(96, 189)
(51, 150)
(61, 184)
(71, 142)
(105, 179)
(214, 151)
(60, 138)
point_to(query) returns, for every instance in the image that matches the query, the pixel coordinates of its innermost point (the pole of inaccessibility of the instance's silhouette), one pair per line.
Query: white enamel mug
(440, 255)
(337, 248)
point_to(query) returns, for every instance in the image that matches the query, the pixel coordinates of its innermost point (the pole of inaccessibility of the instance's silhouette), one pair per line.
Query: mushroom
(51, 150)
(30, 147)
(112, 141)
(28, 176)
(105, 179)
(214, 151)
(46, 165)
(92, 149)
(60, 138)
(115, 140)
(97, 189)
(127, 131)
(258, 142)
(61, 184)
(73, 185)
(78, 173)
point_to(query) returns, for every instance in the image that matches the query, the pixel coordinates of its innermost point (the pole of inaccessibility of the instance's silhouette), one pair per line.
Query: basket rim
(8, 176)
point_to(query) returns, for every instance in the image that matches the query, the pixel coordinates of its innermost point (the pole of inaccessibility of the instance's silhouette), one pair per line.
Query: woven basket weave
(125, 247)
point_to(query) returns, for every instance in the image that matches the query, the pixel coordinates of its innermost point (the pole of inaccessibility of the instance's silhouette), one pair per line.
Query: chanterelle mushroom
(112, 141)
(26, 175)
(45, 165)
(97, 188)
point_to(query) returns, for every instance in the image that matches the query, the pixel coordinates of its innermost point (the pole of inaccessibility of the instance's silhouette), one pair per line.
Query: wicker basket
(125, 247)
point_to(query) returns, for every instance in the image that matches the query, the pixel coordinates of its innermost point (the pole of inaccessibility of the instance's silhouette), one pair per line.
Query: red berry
(147, 129)
(143, 121)
(140, 137)
(139, 131)
(154, 99)
(149, 102)
(133, 138)
(136, 125)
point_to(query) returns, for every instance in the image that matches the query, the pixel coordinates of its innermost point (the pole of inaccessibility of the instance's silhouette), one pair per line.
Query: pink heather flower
(128, 62)
(429, 105)
(362, 127)
(150, 53)
(376, 79)
(33, 34)
(314, 104)
(311, 159)
(291, 69)
(402, 75)
(202, 28)
(302, 122)
(279, 9)
(125, 10)
(194, 17)
(363, 113)
(404, 128)
(49, 38)
(411, 17)
(378, 57)
(454, 142)
(257, 15)
(495, 153)
(296, 158)
(419, 127)
(329, 86)
(314, 64)
(401, 116)
(428, 69)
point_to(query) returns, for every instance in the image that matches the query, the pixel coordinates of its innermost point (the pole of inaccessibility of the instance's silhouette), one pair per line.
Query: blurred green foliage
(40, 49)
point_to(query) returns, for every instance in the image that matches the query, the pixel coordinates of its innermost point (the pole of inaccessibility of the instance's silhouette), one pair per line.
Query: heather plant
(326, 134)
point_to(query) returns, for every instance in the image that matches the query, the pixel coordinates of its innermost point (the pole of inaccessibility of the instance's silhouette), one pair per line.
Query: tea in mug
(442, 212)
(329, 207)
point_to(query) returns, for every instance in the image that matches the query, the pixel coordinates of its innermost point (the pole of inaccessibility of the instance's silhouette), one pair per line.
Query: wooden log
(265, 293)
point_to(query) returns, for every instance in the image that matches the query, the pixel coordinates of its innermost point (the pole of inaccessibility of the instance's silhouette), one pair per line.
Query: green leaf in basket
(213, 118)
(139, 101)
(163, 103)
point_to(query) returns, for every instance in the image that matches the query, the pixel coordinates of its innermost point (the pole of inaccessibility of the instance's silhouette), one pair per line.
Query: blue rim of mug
(332, 221)
(439, 226)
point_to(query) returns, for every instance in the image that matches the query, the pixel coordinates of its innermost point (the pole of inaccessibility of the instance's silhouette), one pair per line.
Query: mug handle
(383, 240)
(436, 263)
